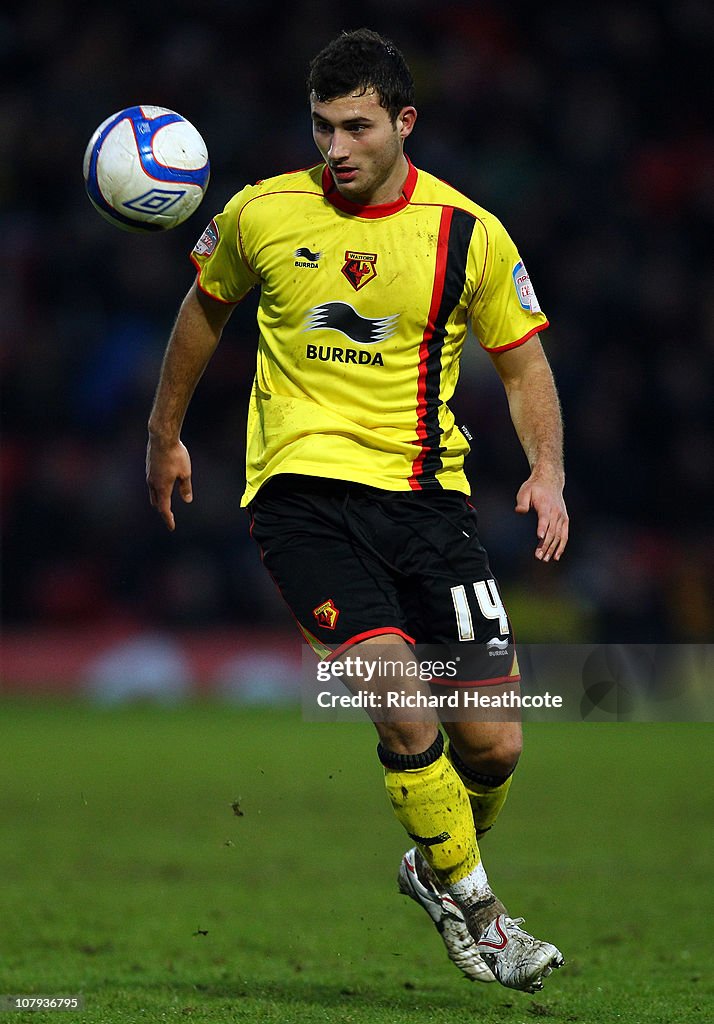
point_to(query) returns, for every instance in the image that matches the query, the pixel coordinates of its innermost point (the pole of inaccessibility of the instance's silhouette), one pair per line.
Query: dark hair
(358, 61)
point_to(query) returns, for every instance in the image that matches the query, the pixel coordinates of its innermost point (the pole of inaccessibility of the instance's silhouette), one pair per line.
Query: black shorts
(354, 562)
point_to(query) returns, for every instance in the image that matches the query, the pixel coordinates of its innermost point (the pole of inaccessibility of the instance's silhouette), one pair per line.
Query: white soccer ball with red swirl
(146, 169)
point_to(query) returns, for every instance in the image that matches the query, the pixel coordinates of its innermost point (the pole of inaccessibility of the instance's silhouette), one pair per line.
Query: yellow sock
(431, 803)
(486, 800)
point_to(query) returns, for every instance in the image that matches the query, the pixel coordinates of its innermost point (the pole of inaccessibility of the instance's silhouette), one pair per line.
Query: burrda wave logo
(343, 318)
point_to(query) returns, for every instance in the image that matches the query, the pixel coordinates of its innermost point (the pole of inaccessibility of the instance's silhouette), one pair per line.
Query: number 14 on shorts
(489, 603)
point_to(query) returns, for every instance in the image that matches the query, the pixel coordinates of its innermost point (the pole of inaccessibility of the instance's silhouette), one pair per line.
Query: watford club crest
(326, 614)
(360, 268)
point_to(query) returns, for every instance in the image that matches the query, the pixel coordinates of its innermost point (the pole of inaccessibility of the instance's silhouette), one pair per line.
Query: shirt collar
(358, 209)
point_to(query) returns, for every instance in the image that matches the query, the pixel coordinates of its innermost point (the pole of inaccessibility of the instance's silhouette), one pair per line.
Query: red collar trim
(357, 209)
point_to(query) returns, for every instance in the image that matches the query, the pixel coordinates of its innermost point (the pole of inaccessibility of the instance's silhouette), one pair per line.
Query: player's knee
(498, 757)
(503, 757)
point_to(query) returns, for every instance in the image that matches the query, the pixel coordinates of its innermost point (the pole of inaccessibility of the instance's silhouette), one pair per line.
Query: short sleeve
(223, 270)
(505, 311)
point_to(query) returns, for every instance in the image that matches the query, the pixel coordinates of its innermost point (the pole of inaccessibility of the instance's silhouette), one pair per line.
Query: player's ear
(405, 121)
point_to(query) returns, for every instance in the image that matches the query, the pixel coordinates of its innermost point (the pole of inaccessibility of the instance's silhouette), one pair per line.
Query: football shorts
(354, 562)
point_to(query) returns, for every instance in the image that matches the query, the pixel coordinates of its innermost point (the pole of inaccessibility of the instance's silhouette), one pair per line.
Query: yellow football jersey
(362, 317)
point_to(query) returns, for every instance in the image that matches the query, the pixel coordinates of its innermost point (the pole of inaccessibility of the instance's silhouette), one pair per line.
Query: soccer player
(370, 272)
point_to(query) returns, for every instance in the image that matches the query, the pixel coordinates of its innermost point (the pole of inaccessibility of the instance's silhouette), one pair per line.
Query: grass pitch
(207, 863)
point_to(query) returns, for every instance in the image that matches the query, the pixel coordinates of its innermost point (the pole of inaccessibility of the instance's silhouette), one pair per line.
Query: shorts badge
(326, 614)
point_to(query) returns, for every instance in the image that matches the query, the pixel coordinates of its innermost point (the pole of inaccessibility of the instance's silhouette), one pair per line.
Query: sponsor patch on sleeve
(208, 241)
(524, 288)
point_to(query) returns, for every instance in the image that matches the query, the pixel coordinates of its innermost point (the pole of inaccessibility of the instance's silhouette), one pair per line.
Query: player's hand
(166, 464)
(543, 492)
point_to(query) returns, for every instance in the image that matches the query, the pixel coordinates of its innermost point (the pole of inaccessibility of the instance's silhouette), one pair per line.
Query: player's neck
(393, 188)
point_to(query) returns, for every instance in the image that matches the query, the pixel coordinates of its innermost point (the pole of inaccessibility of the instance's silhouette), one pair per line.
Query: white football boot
(517, 959)
(424, 889)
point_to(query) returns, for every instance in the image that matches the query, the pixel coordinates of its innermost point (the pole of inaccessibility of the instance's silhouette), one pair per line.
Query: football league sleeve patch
(506, 311)
(223, 271)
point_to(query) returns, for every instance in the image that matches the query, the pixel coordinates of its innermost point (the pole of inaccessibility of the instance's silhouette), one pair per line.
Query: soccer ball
(146, 169)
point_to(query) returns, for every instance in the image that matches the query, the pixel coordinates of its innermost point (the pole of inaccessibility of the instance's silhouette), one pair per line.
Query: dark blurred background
(587, 129)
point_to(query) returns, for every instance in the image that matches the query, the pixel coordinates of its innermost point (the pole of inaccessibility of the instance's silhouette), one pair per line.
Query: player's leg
(461, 615)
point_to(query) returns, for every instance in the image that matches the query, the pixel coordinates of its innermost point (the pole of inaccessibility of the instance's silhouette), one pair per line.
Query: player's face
(361, 146)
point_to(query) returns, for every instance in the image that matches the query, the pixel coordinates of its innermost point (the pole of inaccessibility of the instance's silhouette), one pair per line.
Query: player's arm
(193, 341)
(535, 411)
